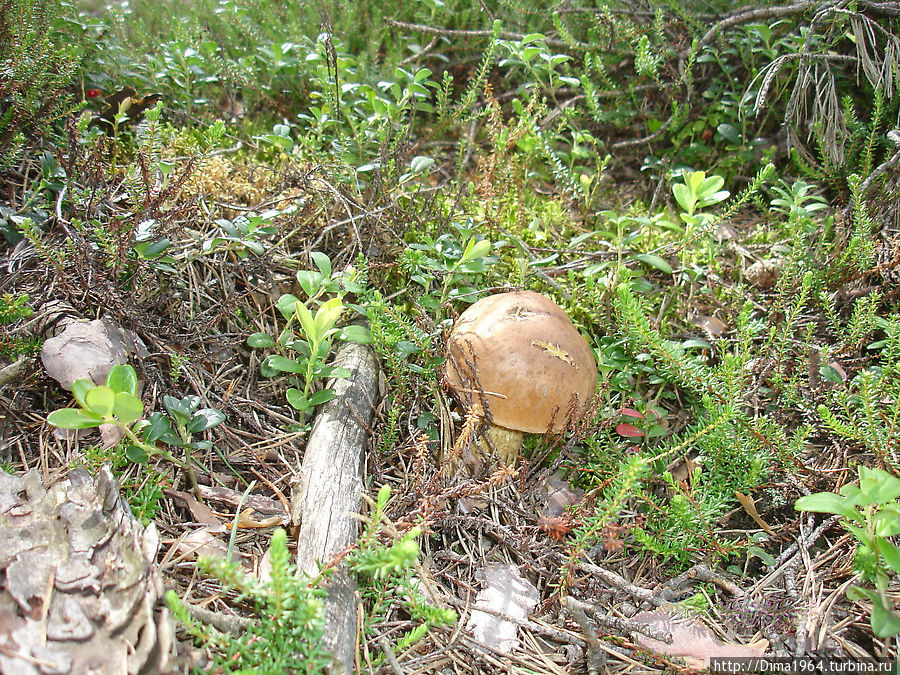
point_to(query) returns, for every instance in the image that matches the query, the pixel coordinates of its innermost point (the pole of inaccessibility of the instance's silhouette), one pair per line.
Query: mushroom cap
(536, 370)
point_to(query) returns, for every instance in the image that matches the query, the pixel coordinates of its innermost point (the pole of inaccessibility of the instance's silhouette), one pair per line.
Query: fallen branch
(329, 491)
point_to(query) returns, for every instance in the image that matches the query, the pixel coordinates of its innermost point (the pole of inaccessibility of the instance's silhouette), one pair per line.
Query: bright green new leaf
(887, 521)
(101, 400)
(308, 323)
(475, 249)
(327, 315)
(72, 418)
(122, 378)
(684, 197)
(826, 502)
(655, 261)
(80, 388)
(693, 180)
(127, 408)
(709, 187)
(880, 486)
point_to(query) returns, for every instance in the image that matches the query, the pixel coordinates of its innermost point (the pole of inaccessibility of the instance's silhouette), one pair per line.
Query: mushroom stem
(506, 442)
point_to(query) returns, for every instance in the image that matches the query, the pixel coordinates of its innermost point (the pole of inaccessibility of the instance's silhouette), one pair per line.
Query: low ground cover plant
(709, 193)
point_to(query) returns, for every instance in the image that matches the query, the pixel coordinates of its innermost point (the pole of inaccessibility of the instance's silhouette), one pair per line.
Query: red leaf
(631, 412)
(628, 430)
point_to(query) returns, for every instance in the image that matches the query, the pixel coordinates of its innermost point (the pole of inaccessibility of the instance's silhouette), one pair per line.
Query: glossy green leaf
(101, 400)
(136, 454)
(355, 333)
(655, 261)
(122, 378)
(127, 408)
(205, 418)
(181, 409)
(267, 370)
(80, 388)
(310, 281)
(284, 364)
(321, 397)
(286, 304)
(72, 418)
(297, 400)
(323, 262)
(157, 425)
(333, 371)
(260, 341)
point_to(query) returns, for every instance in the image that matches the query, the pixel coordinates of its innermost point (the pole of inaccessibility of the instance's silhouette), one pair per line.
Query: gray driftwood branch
(329, 490)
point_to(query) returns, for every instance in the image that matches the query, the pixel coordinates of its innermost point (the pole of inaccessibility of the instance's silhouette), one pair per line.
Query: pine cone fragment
(78, 583)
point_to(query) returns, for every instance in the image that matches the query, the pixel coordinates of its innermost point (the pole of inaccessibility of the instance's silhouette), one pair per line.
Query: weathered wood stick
(329, 490)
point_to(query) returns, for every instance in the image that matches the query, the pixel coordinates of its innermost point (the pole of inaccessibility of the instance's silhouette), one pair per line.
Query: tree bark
(329, 490)
(80, 584)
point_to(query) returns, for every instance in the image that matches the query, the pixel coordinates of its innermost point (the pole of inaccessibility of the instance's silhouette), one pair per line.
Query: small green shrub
(286, 632)
(37, 65)
(870, 511)
(304, 344)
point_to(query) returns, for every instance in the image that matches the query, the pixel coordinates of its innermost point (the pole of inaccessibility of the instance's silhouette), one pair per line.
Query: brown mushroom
(518, 357)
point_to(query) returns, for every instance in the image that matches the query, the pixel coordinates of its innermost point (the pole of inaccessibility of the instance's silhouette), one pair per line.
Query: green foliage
(867, 409)
(143, 489)
(118, 404)
(286, 632)
(115, 403)
(305, 342)
(871, 513)
(37, 65)
(184, 418)
(386, 574)
(449, 267)
(13, 308)
(243, 234)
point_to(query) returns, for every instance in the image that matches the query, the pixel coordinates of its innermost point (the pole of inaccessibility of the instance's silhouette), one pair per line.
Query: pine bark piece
(80, 586)
(329, 490)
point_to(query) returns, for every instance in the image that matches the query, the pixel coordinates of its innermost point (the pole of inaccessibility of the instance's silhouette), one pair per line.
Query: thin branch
(506, 35)
(744, 16)
(894, 136)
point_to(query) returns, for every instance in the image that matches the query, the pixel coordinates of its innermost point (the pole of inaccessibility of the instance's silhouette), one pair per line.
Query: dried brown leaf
(750, 507)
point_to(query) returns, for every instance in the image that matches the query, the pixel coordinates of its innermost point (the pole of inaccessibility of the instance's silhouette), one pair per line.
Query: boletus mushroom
(518, 358)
